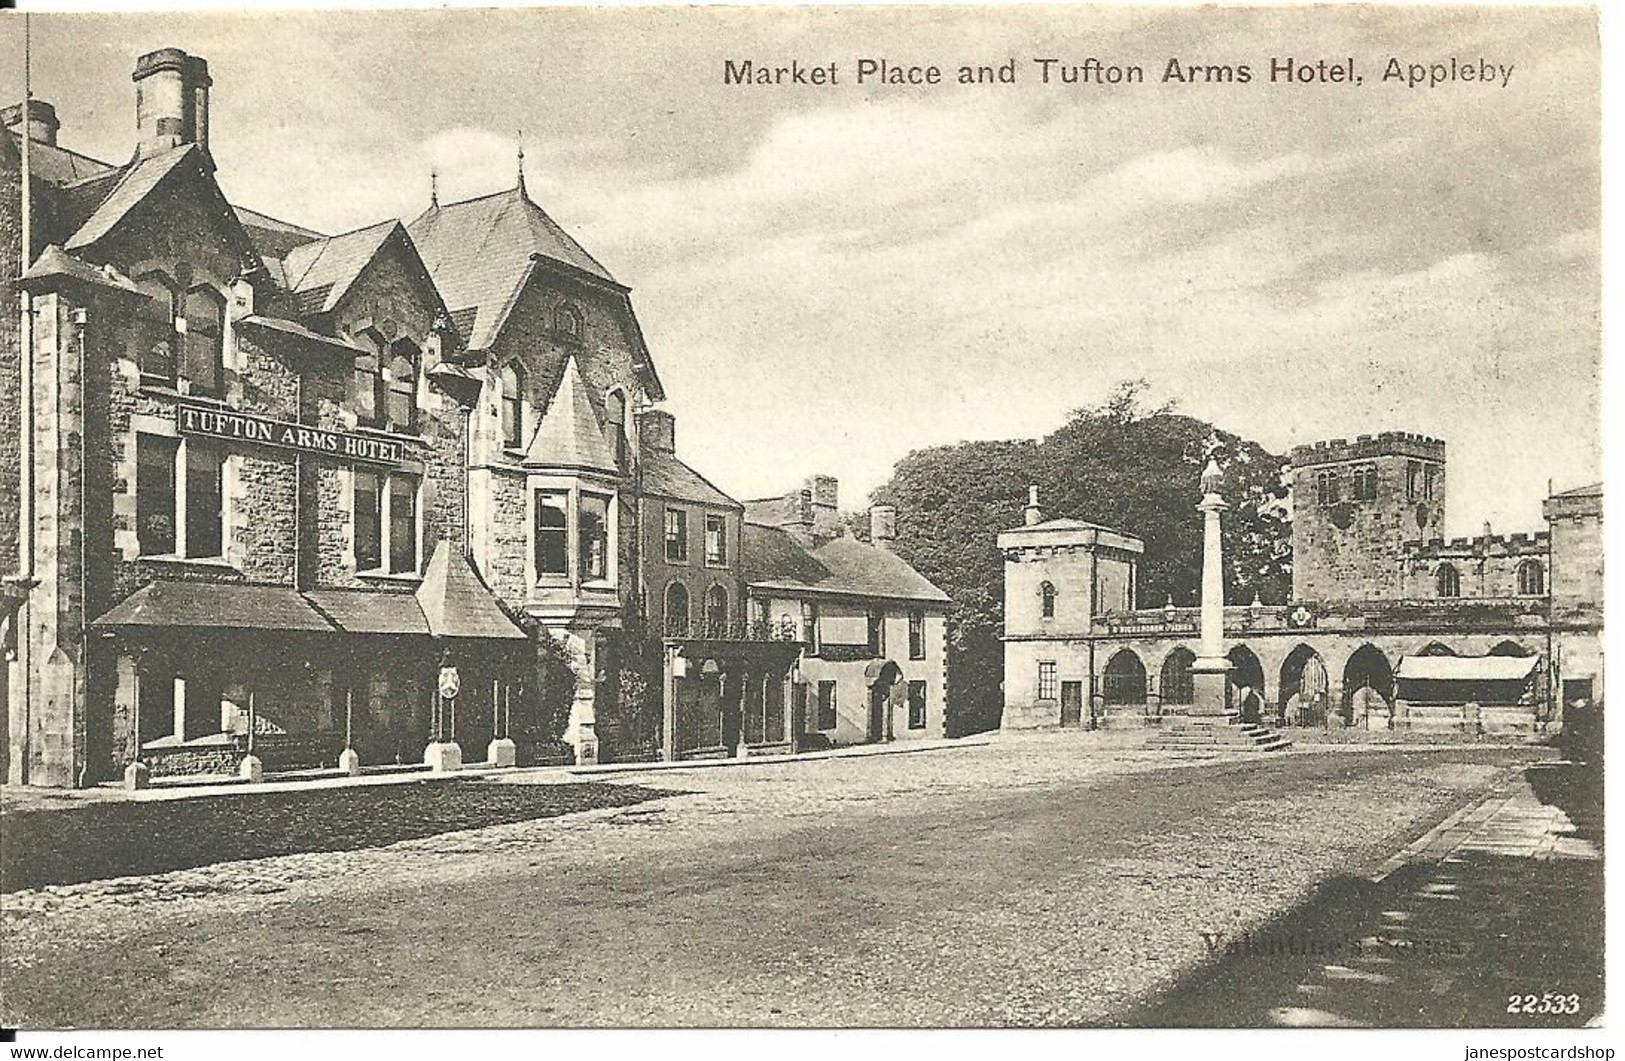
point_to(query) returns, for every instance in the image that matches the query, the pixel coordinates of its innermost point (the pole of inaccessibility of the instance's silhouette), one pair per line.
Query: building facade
(1390, 625)
(872, 630)
(303, 499)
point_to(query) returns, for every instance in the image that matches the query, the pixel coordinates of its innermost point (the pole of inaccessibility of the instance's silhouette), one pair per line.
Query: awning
(360, 611)
(1466, 668)
(218, 605)
(456, 602)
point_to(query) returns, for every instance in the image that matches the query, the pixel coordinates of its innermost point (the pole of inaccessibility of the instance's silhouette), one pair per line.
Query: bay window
(592, 537)
(552, 540)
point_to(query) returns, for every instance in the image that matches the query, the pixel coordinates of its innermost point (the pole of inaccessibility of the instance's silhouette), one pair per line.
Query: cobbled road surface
(1057, 880)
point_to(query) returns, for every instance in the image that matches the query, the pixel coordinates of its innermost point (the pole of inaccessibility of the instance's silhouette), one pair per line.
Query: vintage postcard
(802, 517)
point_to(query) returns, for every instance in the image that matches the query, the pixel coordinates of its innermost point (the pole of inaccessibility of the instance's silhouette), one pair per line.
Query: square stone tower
(1354, 506)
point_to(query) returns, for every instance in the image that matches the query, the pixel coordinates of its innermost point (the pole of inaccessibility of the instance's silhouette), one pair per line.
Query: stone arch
(1510, 648)
(1176, 684)
(1247, 678)
(1123, 680)
(716, 611)
(676, 610)
(1368, 686)
(1436, 648)
(1302, 691)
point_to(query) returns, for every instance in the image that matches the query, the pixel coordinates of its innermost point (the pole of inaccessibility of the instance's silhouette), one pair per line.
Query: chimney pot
(883, 526)
(1033, 514)
(171, 101)
(42, 121)
(826, 520)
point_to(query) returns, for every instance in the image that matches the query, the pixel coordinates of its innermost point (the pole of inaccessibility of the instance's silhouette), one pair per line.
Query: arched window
(716, 610)
(615, 417)
(567, 321)
(1447, 580)
(157, 329)
(676, 610)
(205, 313)
(1046, 596)
(513, 406)
(1178, 685)
(1531, 579)
(403, 386)
(1124, 679)
(366, 379)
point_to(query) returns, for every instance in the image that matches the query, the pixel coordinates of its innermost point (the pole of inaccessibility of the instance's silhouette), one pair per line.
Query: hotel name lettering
(224, 423)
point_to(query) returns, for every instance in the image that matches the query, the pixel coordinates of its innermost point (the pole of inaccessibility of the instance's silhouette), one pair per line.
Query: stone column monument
(1210, 673)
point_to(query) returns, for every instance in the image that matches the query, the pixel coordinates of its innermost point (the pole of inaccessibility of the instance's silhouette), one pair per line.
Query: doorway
(1071, 703)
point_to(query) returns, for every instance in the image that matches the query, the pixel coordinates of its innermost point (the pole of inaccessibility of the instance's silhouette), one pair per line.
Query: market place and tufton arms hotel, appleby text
(1475, 71)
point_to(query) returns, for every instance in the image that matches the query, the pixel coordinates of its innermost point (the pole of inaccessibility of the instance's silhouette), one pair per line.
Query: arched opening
(1247, 679)
(716, 611)
(512, 379)
(1123, 681)
(1303, 688)
(1046, 597)
(1368, 688)
(1176, 684)
(205, 313)
(1436, 648)
(676, 610)
(1510, 648)
(403, 386)
(1447, 581)
(1531, 579)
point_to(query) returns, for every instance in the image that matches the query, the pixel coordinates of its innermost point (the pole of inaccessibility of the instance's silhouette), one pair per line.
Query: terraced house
(293, 500)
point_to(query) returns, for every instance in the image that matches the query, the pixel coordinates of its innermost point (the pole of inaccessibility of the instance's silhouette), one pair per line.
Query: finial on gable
(434, 188)
(521, 142)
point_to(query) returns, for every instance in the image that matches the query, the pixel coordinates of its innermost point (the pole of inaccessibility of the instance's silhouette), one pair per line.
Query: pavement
(1490, 919)
(1054, 880)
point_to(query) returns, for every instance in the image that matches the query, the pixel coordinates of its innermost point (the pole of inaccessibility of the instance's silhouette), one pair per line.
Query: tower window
(593, 537)
(1326, 487)
(1364, 483)
(1046, 680)
(1447, 580)
(1531, 578)
(1046, 596)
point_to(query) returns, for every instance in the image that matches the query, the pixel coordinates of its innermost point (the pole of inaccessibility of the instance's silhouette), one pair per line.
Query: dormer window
(512, 381)
(366, 380)
(567, 321)
(402, 382)
(156, 332)
(202, 327)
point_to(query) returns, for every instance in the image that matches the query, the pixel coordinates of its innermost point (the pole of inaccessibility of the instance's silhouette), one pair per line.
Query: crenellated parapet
(1366, 447)
(1480, 546)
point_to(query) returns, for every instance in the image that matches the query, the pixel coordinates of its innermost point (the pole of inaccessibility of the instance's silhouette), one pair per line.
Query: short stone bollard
(251, 769)
(350, 762)
(137, 776)
(502, 752)
(443, 756)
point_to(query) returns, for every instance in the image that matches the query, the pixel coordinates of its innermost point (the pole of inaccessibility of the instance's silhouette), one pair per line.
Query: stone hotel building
(280, 499)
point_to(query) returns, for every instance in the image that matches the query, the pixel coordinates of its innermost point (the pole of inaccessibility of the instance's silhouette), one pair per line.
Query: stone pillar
(1210, 673)
(582, 732)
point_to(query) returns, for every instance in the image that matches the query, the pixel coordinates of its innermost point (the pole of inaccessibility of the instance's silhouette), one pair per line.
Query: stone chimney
(42, 123)
(657, 431)
(883, 526)
(171, 101)
(1033, 515)
(826, 517)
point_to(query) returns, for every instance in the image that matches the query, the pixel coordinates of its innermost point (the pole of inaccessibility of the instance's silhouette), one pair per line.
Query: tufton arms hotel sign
(214, 422)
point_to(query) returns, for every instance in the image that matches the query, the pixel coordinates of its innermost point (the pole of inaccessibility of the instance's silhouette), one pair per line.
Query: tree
(1118, 464)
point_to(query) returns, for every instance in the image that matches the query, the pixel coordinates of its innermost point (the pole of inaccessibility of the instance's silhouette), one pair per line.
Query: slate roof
(58, 165)
(456, 602)
(137, 182)
(773, 558)
(666, 476)
(361, 611)
(1593, 490)
(224, 605)
(479, 253)
(321, 271)
(273, 236)
(569, 435)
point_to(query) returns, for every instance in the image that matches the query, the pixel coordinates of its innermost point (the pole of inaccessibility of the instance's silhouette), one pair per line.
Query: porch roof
(221, 605)
(362, 611)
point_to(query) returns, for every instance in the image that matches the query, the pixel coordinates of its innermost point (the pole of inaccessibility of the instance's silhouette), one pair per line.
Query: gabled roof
(327, 267)
(569, 435)
(142, 180)
(273, 236)
(1593, 490)
(457, 603)
(480, 251)
(774, 559)
(664, 475)
(58, 165)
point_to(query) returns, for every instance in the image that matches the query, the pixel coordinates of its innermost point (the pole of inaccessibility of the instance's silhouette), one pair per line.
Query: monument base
(502, 752)
(350, 762)
(1210, 681)
(251, 769)
(443, 756)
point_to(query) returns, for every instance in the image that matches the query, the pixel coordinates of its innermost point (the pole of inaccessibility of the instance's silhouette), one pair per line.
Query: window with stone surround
(202, 327)
(552, 538)
(1046, 598)
(1046, 679)
(385, 522)
(716, 540)
(401, 382)
(916, 633)
(676, 536)
(512, 381)
(1326, 488)
(592, 537)
(1447, 580)
(179, 498)
(1363, 483)
(367, 381)
(156, 334)
(916, 705)
(1531, 578)
(567, 322)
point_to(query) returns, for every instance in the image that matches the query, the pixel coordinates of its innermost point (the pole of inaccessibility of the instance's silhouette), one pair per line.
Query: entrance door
(1071, 703)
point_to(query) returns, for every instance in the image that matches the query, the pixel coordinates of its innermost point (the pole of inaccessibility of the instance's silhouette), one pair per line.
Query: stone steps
(1220, 735)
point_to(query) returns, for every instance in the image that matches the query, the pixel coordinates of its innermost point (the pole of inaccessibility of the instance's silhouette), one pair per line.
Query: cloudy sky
(831, 277)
